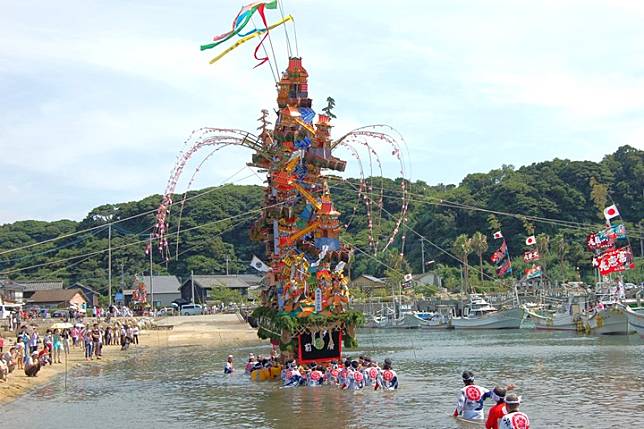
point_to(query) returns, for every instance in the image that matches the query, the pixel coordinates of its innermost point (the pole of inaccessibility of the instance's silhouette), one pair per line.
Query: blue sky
(97, 97)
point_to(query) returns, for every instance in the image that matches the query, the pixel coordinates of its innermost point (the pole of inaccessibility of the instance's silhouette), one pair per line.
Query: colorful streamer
(246, 38)
(241, 20)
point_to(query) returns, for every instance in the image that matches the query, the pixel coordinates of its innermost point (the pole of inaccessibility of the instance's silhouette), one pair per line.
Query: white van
(191, 309)
(6, 309)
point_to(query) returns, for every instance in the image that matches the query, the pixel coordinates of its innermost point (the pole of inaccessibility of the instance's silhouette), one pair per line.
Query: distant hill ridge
(557, 189)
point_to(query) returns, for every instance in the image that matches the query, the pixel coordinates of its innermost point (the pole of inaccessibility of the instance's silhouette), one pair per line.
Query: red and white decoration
(531, 255)
(615, 260)
(497, 235)
(611, 212)
(530, 240)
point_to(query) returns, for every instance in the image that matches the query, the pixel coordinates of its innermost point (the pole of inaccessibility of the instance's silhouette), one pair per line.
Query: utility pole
(109, 261)
(422, 252)
(226, 265)
(192, 282)
(151, 285)
(122, 285)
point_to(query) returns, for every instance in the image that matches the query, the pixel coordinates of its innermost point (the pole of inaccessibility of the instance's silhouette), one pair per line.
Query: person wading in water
(515, 419)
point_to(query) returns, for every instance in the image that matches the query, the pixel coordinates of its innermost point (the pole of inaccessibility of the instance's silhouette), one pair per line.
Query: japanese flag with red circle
(530, 240)
(611, 212)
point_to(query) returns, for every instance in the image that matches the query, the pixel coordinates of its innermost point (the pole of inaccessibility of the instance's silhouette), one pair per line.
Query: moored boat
(479, 314)
(610, 320)
(555, 321)
(635, 320)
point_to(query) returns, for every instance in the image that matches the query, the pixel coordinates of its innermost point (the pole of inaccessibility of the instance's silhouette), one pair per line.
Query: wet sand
(221, 330)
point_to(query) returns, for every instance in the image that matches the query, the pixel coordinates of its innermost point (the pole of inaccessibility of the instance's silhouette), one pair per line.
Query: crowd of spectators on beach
(32, 350)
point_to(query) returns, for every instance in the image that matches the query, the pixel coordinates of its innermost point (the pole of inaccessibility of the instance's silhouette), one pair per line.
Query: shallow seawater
(566, 381)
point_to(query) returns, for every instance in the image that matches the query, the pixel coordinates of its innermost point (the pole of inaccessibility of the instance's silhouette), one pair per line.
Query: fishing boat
(554, 321)
(479, 314)
(566, 317)
(635, 319)
(608, 319)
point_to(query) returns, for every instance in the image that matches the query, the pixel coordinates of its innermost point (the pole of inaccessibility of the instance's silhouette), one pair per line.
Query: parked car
(166, 311)
(191, 309)
(60, 314)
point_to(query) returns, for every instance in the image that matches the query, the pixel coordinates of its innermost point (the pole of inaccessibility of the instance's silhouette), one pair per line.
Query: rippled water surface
(567, 381)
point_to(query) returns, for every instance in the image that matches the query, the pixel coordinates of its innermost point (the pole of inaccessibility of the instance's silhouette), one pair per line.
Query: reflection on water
(566, 380)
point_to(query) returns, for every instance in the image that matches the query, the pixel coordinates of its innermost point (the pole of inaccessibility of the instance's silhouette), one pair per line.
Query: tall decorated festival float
(304, 306)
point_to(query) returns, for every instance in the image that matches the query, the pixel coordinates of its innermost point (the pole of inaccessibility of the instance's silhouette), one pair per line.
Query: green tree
(543, 245)
(479, 246)
(462, 247)
(599, 195)
(330, 105)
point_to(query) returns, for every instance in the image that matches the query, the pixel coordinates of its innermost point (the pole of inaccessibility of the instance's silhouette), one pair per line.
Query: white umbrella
(62, 325)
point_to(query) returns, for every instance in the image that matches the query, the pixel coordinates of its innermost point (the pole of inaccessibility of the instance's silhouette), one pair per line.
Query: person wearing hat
(228, 367)
(514, 419)
(498, 411)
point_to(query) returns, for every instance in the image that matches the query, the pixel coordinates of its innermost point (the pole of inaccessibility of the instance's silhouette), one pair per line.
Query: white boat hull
(407, 321)
(556, 322)
(504, 319)
(610, 321)
(635, 321)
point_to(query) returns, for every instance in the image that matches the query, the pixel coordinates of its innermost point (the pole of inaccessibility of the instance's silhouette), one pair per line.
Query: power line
(61, 237)
(136, 242)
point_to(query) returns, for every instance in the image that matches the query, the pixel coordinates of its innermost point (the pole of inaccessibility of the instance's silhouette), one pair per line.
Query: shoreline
(219, 330)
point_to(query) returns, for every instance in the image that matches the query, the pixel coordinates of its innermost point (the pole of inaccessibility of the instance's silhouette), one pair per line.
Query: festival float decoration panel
(612, 252)
(305, 301)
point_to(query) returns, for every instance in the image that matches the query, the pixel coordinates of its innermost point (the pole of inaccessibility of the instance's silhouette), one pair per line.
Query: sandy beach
(220, 330)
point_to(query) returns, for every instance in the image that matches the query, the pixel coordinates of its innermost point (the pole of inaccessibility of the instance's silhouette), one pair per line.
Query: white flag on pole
(611, 212)
(259, 265)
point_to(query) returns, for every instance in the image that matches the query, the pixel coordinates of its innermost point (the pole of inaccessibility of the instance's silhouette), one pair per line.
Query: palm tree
(479, 246)
(543, 245)
(561, 246)
(462, 247)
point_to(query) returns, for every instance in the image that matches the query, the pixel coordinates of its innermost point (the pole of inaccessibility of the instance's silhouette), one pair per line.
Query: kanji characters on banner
(605, 239)
(615, 260)
(531, 255)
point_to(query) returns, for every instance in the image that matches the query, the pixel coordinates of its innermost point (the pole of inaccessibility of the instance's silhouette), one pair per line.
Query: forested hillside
(561, 200)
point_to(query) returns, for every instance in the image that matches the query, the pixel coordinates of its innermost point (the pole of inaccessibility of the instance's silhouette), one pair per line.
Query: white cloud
(100, 95)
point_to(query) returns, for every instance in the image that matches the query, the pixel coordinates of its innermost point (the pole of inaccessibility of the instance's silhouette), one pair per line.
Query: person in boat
(499, 410)
(228, 366)
(514, 419)
(470, 399)
(388, 379)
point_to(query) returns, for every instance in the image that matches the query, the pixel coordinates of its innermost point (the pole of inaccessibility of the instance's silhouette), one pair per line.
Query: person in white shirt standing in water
(470, 399)
(514, 419)
(228, 367)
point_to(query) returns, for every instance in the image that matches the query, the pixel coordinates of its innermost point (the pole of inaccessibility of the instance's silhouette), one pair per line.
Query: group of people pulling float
(504, 415)
(350, 374)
